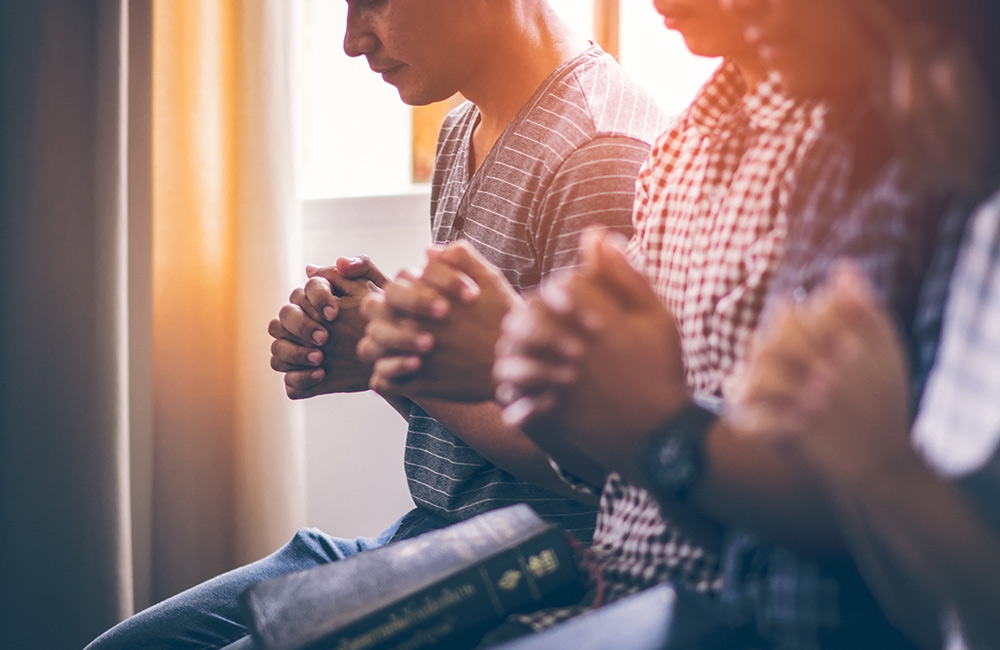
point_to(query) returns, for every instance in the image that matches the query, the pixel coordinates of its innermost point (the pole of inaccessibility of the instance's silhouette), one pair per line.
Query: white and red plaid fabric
(710, 218)
(710, 214)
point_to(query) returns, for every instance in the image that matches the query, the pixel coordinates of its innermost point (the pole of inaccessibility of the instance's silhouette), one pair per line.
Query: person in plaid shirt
(714, 282)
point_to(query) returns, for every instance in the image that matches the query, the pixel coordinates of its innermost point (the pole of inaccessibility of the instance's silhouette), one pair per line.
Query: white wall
(354, 443)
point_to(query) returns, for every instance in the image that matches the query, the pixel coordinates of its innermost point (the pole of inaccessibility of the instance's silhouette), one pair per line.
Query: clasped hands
(428, 333)
(316, 332)
(432, 333)
(826, 382)
(593, 359)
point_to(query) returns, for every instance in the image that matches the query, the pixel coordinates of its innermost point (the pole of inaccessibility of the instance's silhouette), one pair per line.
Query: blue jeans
(208, 615)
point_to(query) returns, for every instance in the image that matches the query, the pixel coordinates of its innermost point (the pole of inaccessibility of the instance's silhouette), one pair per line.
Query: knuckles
(287, 315)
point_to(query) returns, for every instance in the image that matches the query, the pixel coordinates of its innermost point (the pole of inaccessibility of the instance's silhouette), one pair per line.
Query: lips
(673, 16)
(673, 13)
(673, 21)
(384, 69)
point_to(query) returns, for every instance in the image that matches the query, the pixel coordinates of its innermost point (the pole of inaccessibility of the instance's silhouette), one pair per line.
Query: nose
(359, 39)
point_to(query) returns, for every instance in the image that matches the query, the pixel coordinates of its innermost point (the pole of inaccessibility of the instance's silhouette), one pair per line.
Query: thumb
(603, 254)
(339, 284)
(463, 257)
(361, 267)
(469, 270)
(854, 300)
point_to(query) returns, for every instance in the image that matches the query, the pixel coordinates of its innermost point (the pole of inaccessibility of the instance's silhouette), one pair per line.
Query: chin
(707, 46)
(411, 101)
(420, 96)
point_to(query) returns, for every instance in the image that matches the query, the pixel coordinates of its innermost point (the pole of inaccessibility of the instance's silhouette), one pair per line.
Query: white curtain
(145, 241)
(227, 478)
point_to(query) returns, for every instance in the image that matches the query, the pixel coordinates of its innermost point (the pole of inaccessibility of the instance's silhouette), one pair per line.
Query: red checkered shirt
(710, 219)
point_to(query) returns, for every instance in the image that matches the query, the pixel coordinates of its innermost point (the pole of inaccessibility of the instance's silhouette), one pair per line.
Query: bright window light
(356, 136)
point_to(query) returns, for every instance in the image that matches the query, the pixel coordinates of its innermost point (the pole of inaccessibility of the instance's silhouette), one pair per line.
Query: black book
(445, 588)
(662, 617)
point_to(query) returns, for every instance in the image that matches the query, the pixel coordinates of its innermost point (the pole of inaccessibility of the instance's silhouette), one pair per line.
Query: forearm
(481, 427)
(749, 485)
(908, 515)
(402, 405)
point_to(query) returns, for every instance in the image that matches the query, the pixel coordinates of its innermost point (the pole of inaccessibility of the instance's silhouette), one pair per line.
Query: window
(357, 138)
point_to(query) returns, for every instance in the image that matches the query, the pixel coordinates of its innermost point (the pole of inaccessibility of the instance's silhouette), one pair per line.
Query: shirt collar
(767, 106)
(718, 97)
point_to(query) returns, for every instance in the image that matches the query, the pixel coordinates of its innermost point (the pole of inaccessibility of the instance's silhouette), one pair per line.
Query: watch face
(673, 457)
(677, 468)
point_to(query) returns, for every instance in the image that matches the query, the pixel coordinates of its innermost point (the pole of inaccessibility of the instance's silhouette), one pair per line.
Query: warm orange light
(194, 307)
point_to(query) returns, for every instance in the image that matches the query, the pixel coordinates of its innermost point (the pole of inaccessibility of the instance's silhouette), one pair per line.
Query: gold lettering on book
(430, 636)
(510, 580)
(409, 616)
(543, 564)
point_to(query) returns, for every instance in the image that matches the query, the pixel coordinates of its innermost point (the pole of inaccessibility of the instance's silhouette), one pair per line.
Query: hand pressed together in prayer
(317, 332)
(433, 332)
(593, 359)
(826, 380)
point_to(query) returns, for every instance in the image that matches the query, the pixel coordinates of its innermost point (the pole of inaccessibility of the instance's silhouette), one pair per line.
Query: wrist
(871, 473)
(672, 459)
(635, 432)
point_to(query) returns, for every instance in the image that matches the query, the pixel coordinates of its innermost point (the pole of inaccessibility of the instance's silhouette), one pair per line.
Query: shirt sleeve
(574, 482)
(958, 424)
(594, 187)
(637, 243)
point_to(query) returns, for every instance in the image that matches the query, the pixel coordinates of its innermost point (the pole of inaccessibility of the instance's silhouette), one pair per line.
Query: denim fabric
(417, 522)
(208, 615)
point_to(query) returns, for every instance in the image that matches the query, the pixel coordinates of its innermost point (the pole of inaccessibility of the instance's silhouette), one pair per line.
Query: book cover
(452, 584)
(662, 617)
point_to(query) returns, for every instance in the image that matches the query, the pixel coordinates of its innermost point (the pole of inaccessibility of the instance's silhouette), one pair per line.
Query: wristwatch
(672, 458)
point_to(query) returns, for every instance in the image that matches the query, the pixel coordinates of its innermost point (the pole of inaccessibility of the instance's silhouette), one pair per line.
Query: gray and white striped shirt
(567, 161)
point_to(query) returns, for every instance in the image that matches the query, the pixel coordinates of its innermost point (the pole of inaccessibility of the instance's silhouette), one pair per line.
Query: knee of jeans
(307, 541)
(307, 537)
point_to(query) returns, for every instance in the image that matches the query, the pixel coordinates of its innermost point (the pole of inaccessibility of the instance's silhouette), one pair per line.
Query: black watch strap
(672, 458)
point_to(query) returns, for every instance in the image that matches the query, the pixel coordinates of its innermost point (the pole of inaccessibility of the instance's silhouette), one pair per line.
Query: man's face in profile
(427, 49)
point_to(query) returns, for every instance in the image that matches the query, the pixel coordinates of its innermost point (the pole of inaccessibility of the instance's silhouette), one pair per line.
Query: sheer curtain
(145, 218)
(227, 454)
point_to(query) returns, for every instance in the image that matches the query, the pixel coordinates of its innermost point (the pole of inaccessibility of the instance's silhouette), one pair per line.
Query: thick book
(663, 617)
(445, 588)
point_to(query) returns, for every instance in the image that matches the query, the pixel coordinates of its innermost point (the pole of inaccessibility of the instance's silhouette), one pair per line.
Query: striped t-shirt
(567, 161)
